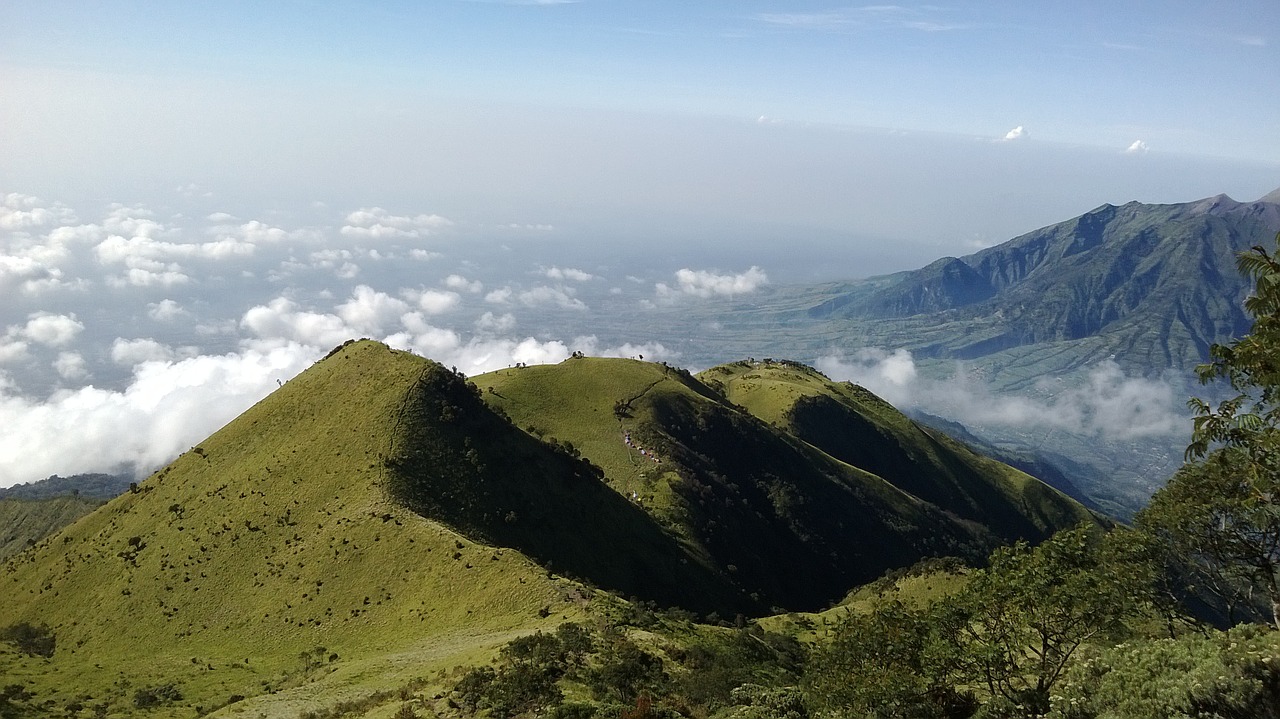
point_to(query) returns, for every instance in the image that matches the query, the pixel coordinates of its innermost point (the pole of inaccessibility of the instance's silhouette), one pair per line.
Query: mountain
(851, 424)
(97, 486)
(23, 522)
(842, 490)
(1152, 285)
(380, 516)
(223, 572)
(1132, 291)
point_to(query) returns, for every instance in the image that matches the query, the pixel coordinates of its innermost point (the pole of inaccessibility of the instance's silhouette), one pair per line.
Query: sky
(199, 199)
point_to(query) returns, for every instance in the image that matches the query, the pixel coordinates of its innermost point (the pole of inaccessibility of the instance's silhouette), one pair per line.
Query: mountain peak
(1215, 203)
(1272, 197)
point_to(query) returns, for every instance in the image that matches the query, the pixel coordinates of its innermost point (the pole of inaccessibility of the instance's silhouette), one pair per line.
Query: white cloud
(924, 19)
(424, 255)
(128, 353)
(1137, 147)
(165, 311)
(71, 366)
(281, 322)
(138, 249)
(163, 276)
(12, 350)
(50, 329)
(489, 322)
(500, 296)
(166, 408)
(1016, 133)
(558, 296)
(255, 232)
(22, 212)
(377, 223)
(458, 282)
(368, 310)
(702, 283)
(133, 221)
(1108, 403)
(568, 273)
(433, 302)
(651, 351)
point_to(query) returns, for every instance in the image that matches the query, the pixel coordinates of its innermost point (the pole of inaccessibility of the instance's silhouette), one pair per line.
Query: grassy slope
(853, 425)
(269, 539)
(278, 534)
(797, 526)
(461, 462)
(24, 522)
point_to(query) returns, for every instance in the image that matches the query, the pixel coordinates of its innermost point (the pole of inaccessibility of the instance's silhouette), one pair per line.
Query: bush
(156, 696)
(35, 640)
(626, 672)
(1222, 674)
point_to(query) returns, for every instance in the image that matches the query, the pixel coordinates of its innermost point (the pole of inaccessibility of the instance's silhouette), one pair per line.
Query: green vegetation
(790, 519)
(852, 425)
(458, 549)
(95, 486)
(24, 522)
(272, 537)
(1220, 515)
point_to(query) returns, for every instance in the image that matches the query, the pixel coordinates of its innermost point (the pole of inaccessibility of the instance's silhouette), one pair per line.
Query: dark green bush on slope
(1223, 675)
(36, 640)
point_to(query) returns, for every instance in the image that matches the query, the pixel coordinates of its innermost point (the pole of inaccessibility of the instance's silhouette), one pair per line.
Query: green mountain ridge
(97, 486)
(797, 523)
(374, 514)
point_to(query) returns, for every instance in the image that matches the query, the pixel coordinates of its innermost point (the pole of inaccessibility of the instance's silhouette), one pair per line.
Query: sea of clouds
(129, 333)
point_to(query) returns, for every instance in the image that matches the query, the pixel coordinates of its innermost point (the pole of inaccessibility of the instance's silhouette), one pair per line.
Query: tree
(1017, 624)
(884, 664)
(1223, 509)
(1221, 537)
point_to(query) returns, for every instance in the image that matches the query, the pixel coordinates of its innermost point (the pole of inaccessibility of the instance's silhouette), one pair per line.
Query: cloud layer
(1108, 404)
(129, 339)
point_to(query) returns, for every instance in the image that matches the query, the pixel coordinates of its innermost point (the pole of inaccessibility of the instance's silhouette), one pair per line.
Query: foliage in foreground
(741, 671)
(1217, 674)
(1003, 641)
(1231, 487)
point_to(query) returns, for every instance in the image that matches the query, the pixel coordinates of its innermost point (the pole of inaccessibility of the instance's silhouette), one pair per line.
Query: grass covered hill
(379, 517)
(855, 426)
(225, 571)
(797, 512)
(23, 522)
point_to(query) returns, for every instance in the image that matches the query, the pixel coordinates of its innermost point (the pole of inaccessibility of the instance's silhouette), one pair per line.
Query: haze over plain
(200, 199)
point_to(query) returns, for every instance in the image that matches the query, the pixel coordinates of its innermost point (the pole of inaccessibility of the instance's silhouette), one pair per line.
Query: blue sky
(817, 118)
(1185, 77)
(198, 199)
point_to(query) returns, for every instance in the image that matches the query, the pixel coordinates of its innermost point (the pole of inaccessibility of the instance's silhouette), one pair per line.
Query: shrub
(35, 640)
(1222, 674)
(626, 672)
(156, 696)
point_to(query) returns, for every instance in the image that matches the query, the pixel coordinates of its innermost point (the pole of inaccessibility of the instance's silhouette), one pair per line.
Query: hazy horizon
(198, 199)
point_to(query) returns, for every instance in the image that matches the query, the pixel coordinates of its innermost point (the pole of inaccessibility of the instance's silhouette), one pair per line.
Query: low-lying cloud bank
(1107, 403)
(174, 400)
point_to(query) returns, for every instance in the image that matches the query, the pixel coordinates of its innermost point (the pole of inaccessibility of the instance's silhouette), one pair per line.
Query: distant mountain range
(1151, 286)
(1148, 286)
(96, 486)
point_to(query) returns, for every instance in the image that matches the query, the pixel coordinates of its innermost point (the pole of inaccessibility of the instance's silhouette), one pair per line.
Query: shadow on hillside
(457, 462)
